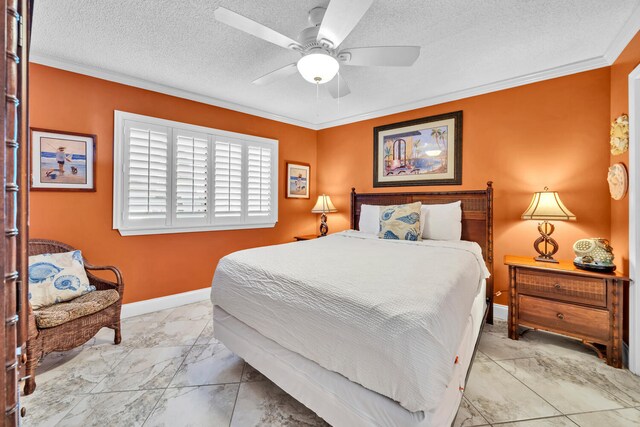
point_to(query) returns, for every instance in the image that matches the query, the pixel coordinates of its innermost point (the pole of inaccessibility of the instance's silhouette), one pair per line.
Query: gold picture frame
(297, 180)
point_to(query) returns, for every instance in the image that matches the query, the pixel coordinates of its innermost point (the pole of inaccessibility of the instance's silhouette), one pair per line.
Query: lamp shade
(318, 67)
(547, 206)
(324, 205)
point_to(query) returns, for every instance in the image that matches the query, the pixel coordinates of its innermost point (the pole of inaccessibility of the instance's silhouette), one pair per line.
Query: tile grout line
(614, 397)
(601, 410)
(70, 409)
(154, 406)
(235, 402)
(578, 425)
(165, 389)
(611, 395)
(632, 401)
(526, 386)
(477, 410)
(156, 388)
(86, 395)
(175, 373)
(607, 392)
(177, 370)
(502, 423)
(572, 413)
(244, 366)
(529, 388)
(126, 350)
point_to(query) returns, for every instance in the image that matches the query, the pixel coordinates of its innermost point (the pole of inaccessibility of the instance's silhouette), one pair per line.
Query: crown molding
(128, 80)
(551, 73)
(624, 36)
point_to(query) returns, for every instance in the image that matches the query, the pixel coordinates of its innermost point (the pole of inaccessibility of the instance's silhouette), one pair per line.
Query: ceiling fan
(319, 45)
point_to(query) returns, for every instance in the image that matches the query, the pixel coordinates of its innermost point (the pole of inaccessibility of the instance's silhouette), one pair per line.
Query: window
(172, 177)
(228, 180)
(259, 181)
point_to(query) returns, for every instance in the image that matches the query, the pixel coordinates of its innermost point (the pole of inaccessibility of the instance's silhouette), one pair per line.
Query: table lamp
(546, 206)
(324, 206)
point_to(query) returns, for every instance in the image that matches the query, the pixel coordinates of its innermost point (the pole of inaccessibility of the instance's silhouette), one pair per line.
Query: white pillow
(369, 219)
(57, 278)
(441, 222)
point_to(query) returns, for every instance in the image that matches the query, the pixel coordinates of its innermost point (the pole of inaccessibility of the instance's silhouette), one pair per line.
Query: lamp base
(324, 228)
(545, 245)
(544, 259)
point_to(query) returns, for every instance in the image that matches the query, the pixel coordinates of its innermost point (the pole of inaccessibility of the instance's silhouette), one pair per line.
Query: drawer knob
(560, 316)
(557, 286)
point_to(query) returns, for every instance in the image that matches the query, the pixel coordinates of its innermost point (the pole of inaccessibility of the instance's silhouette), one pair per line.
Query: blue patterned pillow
(57, 278)
(400, 222)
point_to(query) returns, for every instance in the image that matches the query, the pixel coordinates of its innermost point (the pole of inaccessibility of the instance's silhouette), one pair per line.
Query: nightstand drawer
(562, 287)
(583, 322)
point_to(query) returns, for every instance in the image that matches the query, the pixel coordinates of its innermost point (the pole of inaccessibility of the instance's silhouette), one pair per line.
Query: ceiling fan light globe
(318, 68)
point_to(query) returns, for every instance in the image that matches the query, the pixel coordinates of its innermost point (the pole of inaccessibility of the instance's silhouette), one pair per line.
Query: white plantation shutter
(146, 174)
(259, 181)
(172, 177)
(191, 167)
(228, 180)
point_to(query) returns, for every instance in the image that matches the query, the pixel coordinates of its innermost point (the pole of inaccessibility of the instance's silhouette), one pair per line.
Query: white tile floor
(170, 371)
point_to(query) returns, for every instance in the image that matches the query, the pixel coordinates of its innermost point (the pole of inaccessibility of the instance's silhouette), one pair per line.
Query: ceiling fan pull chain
(339, 82)
(317, 99)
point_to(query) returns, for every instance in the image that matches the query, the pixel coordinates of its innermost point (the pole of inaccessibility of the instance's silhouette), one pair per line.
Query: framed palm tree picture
(426, 151)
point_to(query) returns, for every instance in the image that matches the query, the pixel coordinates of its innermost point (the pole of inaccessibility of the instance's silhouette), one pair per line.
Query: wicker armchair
(73, 333)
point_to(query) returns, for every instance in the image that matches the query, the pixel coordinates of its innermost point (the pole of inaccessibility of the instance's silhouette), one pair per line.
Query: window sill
(196, 229)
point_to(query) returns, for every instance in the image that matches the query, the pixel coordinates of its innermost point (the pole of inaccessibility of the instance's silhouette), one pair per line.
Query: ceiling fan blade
(338, 87)
(385, 56)
(278, 74)
(254, 28)
(340, 19)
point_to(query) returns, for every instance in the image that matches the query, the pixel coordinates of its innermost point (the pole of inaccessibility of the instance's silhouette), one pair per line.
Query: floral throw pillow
(55, 278)
(400, 222)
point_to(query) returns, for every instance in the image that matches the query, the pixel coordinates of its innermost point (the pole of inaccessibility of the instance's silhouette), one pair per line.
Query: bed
(362, 330)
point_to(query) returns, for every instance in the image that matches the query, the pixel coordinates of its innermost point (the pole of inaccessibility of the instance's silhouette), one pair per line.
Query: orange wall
(626, 62)
(157, 265)
(553, 133)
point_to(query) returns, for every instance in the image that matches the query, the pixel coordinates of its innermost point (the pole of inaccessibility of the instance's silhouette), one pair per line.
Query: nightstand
(566, 300)
(306, 237)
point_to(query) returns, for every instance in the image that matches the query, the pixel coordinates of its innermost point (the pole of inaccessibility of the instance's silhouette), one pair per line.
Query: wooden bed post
(489, 260)
(353, 207)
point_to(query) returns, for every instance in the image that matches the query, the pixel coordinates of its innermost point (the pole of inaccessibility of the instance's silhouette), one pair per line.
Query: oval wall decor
(618, 180)
(619, 135)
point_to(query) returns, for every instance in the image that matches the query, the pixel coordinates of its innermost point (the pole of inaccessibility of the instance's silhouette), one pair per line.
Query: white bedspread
(386, 314)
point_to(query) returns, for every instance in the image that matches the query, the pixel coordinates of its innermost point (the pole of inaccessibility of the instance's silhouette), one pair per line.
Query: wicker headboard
(477, 217)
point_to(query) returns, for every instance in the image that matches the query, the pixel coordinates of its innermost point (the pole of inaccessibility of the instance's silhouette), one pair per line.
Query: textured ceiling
(465, 44)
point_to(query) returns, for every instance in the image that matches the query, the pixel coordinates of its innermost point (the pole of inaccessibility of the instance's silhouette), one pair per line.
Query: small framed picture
(62, 160)
(297, 180)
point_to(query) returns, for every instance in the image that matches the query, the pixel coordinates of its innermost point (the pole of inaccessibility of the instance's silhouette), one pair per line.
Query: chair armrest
(102, 284)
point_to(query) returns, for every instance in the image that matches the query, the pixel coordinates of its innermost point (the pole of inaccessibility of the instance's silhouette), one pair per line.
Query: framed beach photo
(62, 160)
(426, 151)
(297, 180)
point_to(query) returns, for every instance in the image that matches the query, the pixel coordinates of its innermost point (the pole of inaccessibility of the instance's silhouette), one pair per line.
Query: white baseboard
(500, 312)
(625, 354)
(162, 303)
